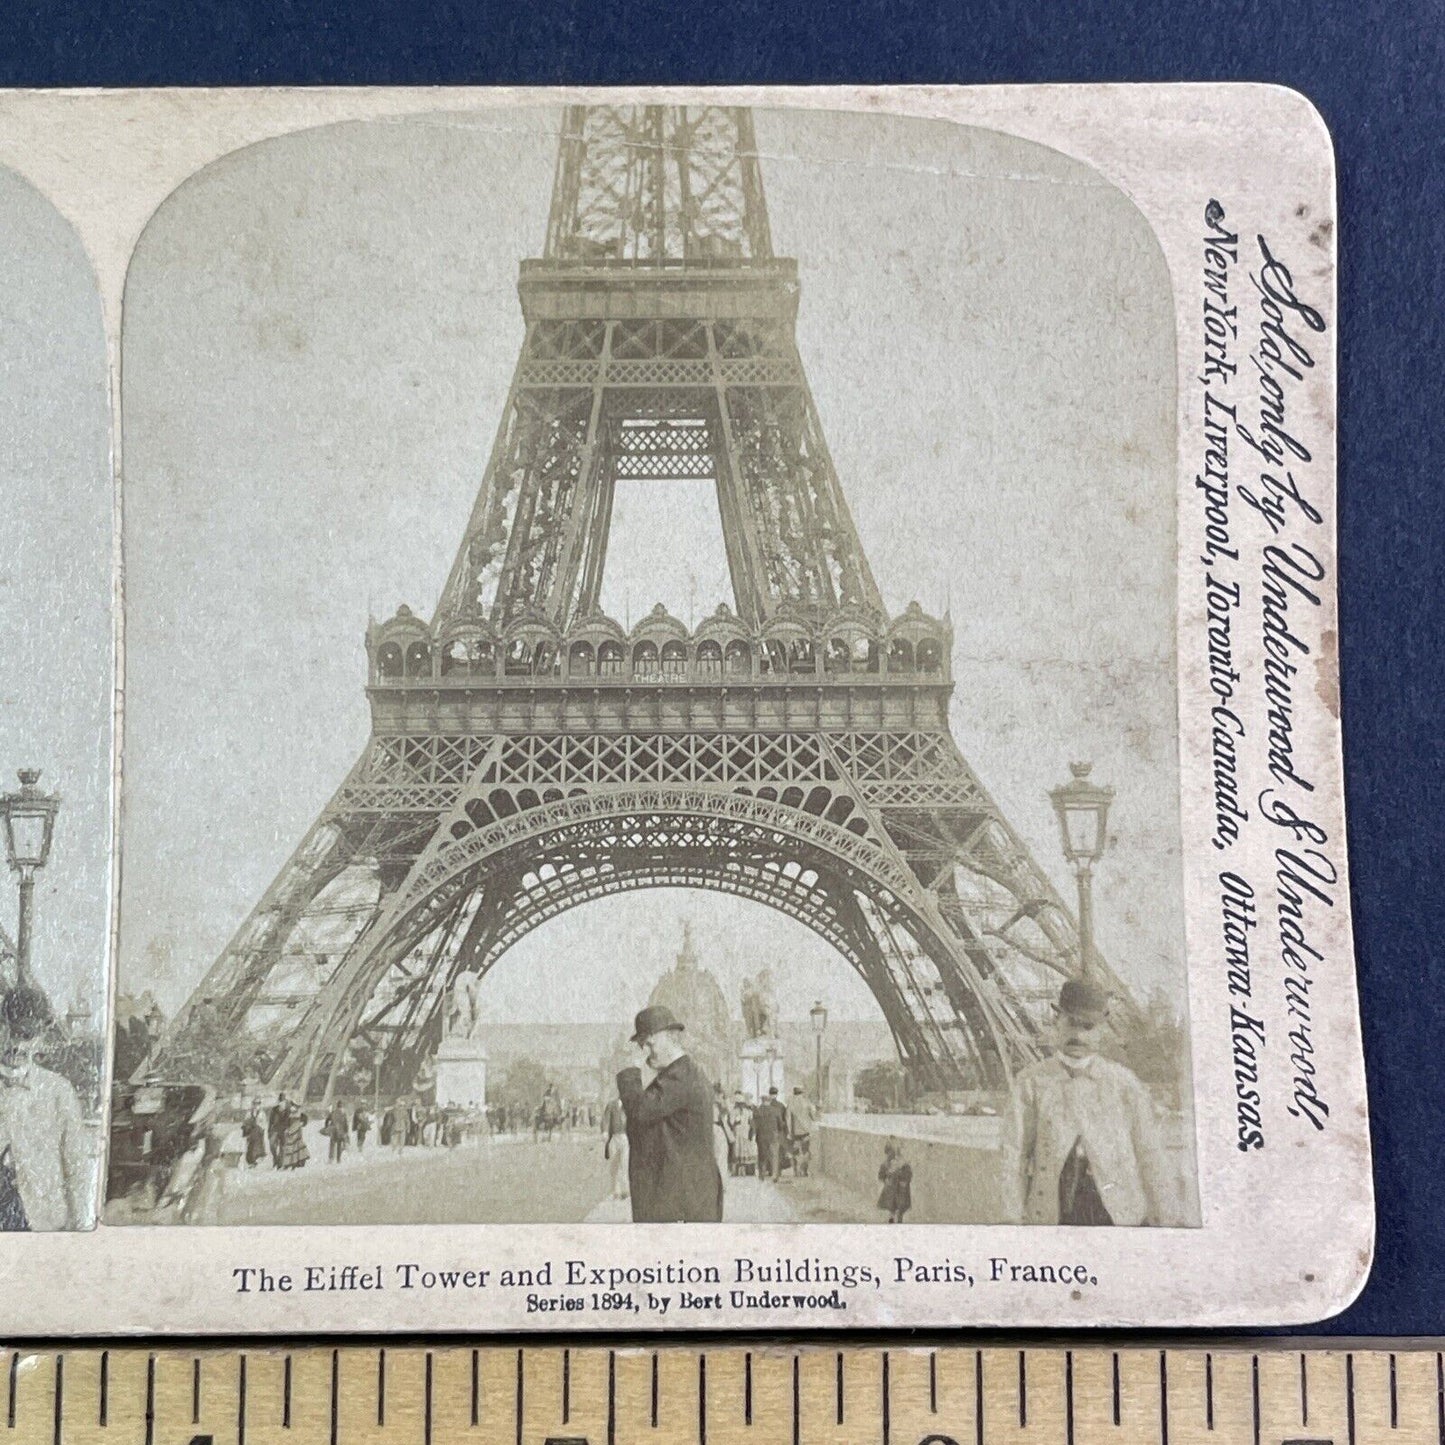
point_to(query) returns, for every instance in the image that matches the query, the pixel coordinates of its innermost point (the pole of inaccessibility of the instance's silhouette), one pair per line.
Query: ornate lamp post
(1083, 809)
(29, 818)
(819, 1016)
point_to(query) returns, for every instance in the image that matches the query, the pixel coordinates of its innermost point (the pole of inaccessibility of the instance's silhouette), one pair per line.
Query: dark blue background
(1375, 72)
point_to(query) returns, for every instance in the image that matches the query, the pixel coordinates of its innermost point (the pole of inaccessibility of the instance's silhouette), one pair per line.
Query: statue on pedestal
(464, 1017)
(760, 1006)
(760, 1059)
(461, 1061)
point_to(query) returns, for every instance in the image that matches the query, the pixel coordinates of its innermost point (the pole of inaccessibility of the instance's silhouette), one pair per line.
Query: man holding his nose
(671, 1167)
(1081, 1145)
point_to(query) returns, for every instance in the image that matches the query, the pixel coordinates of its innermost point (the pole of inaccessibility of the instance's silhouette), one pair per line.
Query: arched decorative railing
(660, 651)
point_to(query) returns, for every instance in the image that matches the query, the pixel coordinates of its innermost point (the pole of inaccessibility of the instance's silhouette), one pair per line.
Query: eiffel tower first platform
(529, 754)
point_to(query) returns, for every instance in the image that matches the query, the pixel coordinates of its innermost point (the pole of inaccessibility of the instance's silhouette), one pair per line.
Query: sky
(55, 582)
(318, 338)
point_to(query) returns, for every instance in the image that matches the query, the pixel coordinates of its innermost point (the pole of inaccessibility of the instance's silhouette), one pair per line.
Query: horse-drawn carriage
(548, 1118)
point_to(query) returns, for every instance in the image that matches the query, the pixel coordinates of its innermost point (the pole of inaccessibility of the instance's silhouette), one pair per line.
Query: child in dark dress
(896, 1175)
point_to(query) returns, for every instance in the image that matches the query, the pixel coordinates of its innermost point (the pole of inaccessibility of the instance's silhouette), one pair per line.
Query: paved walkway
(505, 1179)
(752, 1201)
(502, 1181)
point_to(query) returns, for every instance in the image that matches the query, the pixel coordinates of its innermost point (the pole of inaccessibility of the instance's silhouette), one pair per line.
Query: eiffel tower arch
(529, 754)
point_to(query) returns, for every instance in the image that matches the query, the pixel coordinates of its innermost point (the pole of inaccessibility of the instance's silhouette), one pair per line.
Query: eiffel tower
(529, 754)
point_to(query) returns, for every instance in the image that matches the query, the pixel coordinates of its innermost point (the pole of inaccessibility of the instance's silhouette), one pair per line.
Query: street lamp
(1083, 809)
(819, 1016)
(29, 818)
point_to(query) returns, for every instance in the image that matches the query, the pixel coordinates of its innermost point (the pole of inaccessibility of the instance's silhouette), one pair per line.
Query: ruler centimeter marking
(937, 1394)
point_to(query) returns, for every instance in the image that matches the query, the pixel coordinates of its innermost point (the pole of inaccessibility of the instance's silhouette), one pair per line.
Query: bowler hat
(26, 1012)
(1080, 998)
(656, 1018)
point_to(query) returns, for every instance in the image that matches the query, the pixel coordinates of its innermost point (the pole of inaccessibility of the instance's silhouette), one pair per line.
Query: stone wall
(955, 1162)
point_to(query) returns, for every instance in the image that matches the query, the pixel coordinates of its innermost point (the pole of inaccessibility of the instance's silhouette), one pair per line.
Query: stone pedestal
(461, 1073)
(760, 1068)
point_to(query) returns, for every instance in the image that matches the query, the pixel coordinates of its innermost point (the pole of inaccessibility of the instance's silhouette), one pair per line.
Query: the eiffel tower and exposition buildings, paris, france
(529, 754)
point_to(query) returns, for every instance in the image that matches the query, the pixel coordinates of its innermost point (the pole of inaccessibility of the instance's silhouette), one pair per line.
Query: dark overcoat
(770, 1122)
(671, 1167)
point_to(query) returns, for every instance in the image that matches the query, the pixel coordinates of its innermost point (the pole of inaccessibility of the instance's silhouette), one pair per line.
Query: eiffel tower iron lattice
(529, 754)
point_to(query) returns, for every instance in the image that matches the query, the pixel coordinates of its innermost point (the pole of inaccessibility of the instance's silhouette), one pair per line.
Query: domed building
(694, 995)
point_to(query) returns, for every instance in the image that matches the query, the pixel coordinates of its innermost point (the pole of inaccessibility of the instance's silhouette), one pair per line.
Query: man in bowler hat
(671, 1167)
(1081, 1145)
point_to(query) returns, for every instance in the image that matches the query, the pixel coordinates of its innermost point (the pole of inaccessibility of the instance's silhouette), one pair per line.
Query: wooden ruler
(725, 1394)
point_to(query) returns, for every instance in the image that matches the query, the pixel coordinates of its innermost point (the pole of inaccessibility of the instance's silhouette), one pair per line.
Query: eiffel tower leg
(422, 1007)
(336, 1013)
(977, 1027)
(994, 904)
(217, 1009)
(320, 904)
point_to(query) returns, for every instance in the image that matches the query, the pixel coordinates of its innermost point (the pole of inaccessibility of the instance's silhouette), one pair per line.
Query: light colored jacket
(40, 1122)
(802, 1116)
(1055, 1103)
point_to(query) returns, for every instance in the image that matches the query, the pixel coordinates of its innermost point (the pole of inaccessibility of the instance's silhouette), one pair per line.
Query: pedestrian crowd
(279, 1133)
(769, 1136)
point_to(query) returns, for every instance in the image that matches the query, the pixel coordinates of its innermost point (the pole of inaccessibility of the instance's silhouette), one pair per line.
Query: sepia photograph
(650, 681)
(617, 689)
